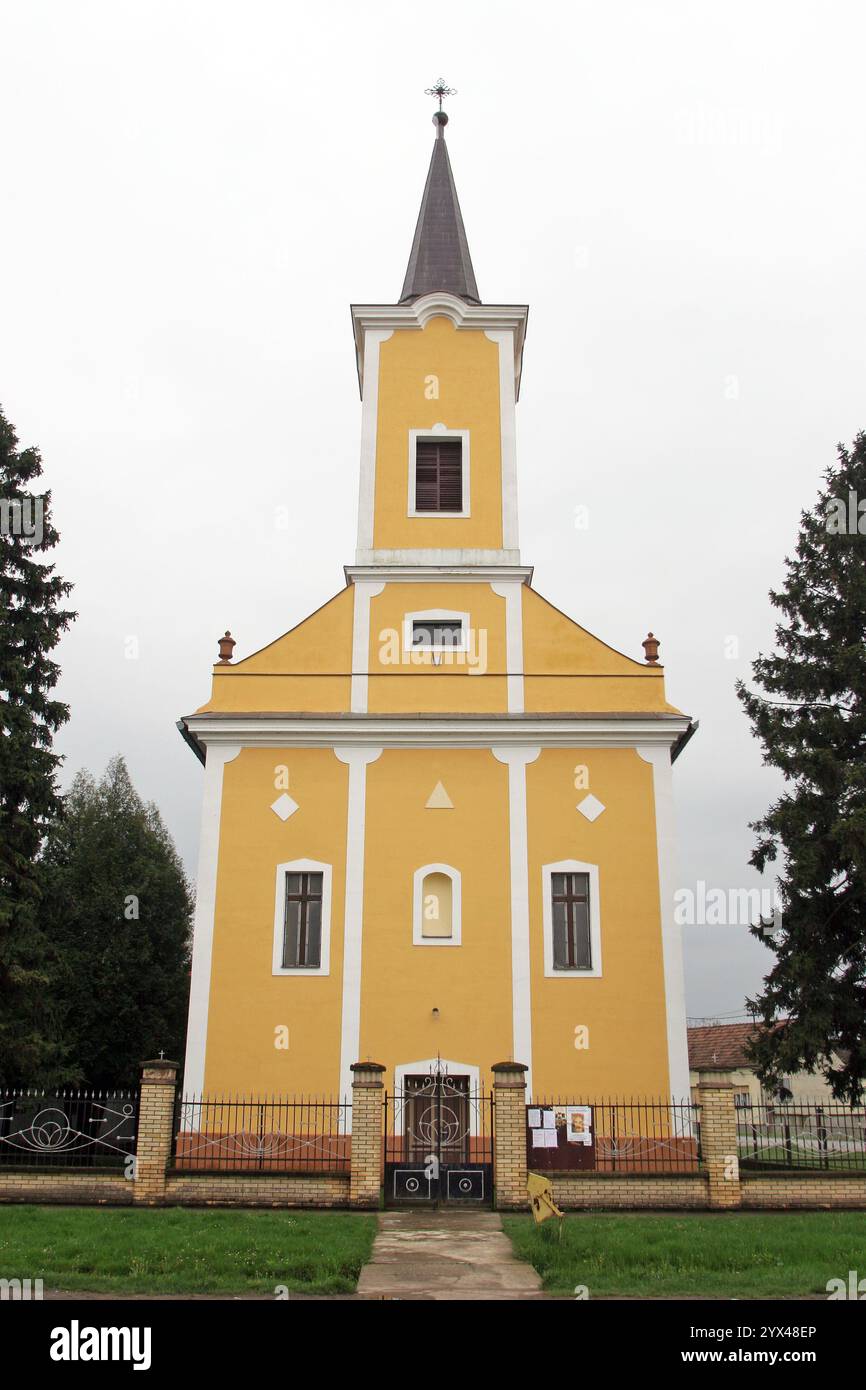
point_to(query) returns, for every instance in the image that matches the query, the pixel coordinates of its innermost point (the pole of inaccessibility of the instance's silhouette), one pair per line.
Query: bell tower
(439, 374)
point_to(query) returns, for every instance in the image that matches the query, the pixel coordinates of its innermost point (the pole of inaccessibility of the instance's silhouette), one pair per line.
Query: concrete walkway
(445, 1255)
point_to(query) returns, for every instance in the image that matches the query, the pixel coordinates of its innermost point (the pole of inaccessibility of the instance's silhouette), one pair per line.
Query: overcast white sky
(195, 192)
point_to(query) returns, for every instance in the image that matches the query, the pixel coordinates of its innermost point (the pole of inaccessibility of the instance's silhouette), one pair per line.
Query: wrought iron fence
(614, 1136)
(67, 1129)
(816, 1134)
(256, 1134)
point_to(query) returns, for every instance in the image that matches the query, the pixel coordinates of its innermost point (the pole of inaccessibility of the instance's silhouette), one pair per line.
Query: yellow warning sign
(540, 1192)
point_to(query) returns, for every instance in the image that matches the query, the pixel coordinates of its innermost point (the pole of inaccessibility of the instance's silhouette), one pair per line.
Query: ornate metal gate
(438, 1141)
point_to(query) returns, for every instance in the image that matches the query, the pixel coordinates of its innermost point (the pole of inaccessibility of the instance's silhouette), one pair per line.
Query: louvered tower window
(439, 475)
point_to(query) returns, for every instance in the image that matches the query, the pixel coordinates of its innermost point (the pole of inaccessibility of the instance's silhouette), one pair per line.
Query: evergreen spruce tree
(811, 719)
(31, 621)
(117, 909)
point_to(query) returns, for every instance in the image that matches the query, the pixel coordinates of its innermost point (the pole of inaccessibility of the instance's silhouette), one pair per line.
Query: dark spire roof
(440, 257)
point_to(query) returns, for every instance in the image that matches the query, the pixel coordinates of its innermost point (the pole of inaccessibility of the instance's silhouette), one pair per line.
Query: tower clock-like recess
(437, 824)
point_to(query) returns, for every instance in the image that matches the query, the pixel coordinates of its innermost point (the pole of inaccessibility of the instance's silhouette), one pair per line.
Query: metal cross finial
(161, 1055)
(440, 90)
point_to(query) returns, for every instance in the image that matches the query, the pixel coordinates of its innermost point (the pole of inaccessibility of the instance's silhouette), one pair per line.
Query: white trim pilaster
(521, 983)
(203, 922)
(508, 435)
(356, 815)
(365, 590)
(672, 937)
(512, 592)
(369, 375)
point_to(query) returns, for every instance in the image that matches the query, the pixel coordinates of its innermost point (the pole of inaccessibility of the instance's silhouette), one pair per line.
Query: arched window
(437, 903)
(436, 906)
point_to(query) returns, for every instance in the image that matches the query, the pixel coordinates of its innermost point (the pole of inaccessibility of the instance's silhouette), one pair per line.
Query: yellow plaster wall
(624, 1010)
(420, 687)
(306, 669)
(466, 363)
(469, 984)
(248, 1002)
(570, 670)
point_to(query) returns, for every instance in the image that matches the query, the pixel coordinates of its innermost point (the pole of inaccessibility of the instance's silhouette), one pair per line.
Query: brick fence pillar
(366, 1171)
(719, 1137)
(155, 1124)
(509, 1134)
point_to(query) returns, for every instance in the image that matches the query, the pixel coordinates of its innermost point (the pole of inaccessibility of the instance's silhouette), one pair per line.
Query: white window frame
(571, 866)
(302, 866)
(436, 615)
(418, 939)
(440, 432)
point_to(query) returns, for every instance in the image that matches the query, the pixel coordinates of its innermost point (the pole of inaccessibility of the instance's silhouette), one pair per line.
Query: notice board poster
(559, 1137)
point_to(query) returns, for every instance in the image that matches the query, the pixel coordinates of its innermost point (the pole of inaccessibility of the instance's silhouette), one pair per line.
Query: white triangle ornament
(439, 800)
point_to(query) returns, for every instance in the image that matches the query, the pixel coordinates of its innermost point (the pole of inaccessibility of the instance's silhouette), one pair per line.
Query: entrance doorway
(438, 1140)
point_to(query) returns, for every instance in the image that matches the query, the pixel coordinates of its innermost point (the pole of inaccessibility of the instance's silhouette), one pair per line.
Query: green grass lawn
(729, 1255)
(181, 1251)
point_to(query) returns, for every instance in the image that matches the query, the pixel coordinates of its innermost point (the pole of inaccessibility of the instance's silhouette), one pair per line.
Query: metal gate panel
(438, 1141)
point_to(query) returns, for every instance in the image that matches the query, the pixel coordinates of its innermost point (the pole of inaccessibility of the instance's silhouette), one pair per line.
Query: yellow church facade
(437, 818)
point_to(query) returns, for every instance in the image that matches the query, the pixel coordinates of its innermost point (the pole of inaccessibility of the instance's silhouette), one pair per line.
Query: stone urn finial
(650, 645)
(227, 645)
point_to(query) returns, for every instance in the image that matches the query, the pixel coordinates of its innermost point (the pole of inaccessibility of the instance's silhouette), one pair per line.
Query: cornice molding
(439, 573)
(483, 317)
(458, 731)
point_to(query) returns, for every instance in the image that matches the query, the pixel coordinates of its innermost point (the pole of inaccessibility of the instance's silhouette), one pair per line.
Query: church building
(437, 821)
